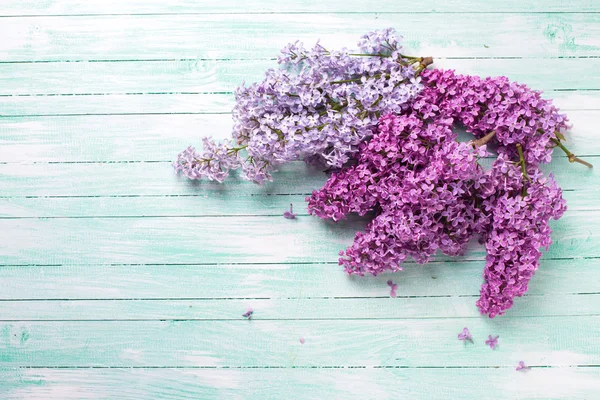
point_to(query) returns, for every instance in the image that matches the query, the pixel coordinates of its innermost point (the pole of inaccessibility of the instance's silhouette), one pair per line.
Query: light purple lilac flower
(492, 341)
(290, 214)
(248, 314)
(465, 335)
(302, 340)
(318, 107)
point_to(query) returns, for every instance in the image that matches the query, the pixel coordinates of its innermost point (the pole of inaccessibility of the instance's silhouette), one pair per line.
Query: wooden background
(119, 280)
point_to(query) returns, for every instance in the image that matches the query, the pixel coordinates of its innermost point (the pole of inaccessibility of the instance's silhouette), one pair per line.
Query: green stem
(572, 157)
(379, 98)
(522, 162)
(236, 149)
(523, 169)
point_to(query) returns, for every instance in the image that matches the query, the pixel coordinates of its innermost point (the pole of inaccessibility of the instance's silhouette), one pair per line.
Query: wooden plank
(276, 281)
(145, 178)
(114, 138)
(161, 137)
(291, 309)
(123, 104)
(131, 179)
(194, 206)
(550, 341)
(218, 35)
(99, 7)
(208, 240)
(158, 178)
(422, 330)
(300, 383)
(209, 76)
(30, 106)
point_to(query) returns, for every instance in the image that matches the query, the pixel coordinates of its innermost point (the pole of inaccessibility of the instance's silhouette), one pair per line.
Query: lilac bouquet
(384, 124)
(318, 108)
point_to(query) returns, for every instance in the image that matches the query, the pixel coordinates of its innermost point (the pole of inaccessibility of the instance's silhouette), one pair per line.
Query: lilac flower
(393, 288)
(290, 214)
(429, 193)
(465, 335)
(492, 342)
(522, 366)
(319, 106)
(215, 162)
(302, 340)
(519, 227)
(423, 205)
(248, 314)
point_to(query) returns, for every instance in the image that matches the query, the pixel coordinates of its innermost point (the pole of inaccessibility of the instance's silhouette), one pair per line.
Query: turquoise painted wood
(121, 281)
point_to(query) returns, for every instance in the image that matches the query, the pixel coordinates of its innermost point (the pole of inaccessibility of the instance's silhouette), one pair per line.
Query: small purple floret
(465, 335)
(492, 341)
(290, 214)
(393, 288)
(522, 366)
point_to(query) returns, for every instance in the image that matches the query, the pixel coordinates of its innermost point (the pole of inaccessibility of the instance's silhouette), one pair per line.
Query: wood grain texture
(298, 383)
(362, 343)
(290, 309)
(210, 76)
(276, 281)
(187, 205)
(158, 178)
(121, 281)
(213, 36)
(255, 239)
(103, 7)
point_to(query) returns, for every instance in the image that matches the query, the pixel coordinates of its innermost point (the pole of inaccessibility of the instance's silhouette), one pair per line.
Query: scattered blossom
(522, 366)
(248, 314)
(492, 341)
(393, 288)
(465, 335)
(290, 214)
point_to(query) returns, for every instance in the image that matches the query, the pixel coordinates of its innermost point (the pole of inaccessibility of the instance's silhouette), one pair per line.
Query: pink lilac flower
(513, 111)
(248, 314)
(522, 366)
(465, 335)
(393, 288)
(290, 214)
(518, 230)
(429, 193)
(419, 180)
(318, 107)
(302, 340)
(492, 341)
